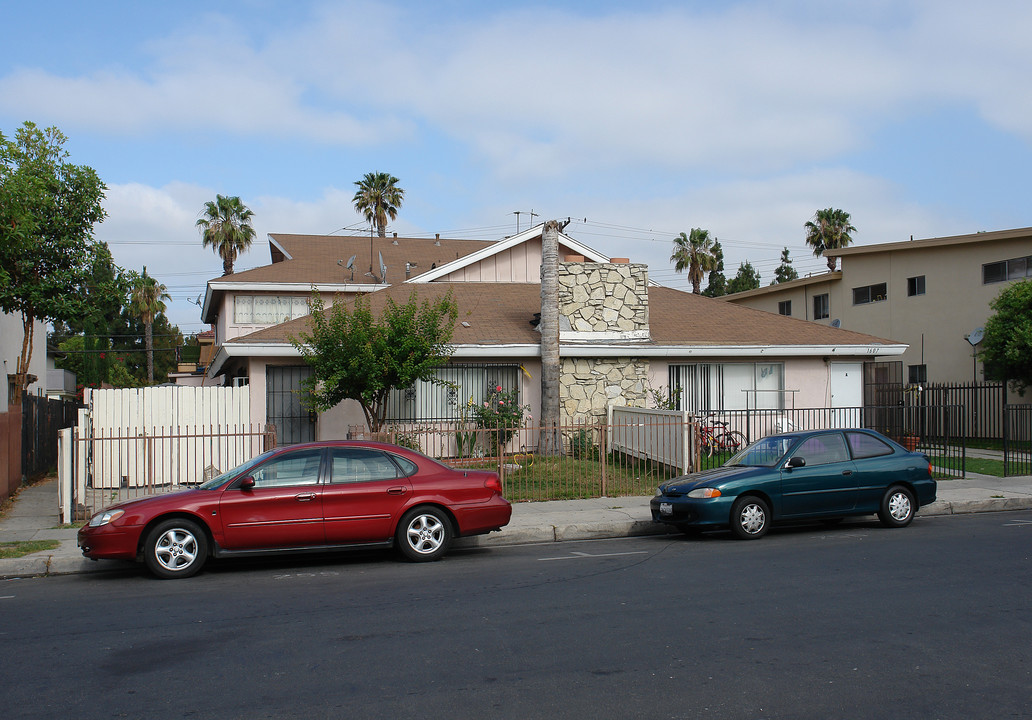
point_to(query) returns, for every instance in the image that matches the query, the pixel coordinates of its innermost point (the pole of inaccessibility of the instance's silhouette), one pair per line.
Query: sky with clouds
(637, 122)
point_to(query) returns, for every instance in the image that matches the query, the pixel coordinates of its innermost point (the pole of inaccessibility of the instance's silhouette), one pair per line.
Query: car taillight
(493, 483)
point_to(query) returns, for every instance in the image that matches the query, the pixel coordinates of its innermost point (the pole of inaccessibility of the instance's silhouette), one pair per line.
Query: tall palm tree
(226, 228)
(548, 440)
(694, 253)
(829, 230)
(378, 198)
(145, 303)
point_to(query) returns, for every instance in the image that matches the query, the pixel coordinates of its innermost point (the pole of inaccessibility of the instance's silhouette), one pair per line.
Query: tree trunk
(22, 368)
(149, 328)
(548, 443)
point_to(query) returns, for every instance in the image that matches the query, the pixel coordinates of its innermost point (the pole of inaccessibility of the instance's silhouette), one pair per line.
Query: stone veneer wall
(602, 298)
(589, 385)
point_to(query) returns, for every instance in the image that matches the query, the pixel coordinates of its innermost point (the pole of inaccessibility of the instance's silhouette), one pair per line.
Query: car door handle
(396, 491)
(847, 472)
(305, 497)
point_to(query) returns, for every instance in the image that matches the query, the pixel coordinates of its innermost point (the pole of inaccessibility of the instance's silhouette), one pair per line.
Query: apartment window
(449, 396)
(916, 286)
(869, 294)
(917, 374)
(268, 309)
(821, 306)
(785, 307)
(1013, 269)
(712, 387)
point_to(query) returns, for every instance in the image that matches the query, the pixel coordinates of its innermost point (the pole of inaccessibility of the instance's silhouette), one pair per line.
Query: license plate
(666, 509)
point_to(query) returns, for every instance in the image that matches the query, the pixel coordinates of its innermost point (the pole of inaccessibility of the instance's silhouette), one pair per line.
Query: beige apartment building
(931, 294)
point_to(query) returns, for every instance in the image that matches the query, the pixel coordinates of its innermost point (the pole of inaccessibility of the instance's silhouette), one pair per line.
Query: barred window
(714, 387)
(449, 398)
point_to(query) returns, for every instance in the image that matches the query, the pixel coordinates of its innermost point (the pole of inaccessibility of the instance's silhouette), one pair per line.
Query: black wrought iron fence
(1017, 440)
(940, 431)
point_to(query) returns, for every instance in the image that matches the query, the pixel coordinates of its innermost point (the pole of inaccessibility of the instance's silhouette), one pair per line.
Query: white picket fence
(134, 440)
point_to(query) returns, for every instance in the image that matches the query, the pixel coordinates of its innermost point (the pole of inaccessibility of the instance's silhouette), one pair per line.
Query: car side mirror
(795, 462)
(247, 483)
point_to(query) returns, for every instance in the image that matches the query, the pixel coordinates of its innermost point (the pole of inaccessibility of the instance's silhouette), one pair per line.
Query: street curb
(965, 507)
(40, 565)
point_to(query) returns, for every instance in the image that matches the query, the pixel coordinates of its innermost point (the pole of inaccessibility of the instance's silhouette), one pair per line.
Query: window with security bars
(715, 387)
(449, 398)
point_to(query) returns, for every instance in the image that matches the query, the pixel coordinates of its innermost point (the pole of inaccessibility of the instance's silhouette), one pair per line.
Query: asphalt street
(857, 621)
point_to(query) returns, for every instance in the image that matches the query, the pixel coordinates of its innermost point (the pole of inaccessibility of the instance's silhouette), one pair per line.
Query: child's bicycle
(716, 437)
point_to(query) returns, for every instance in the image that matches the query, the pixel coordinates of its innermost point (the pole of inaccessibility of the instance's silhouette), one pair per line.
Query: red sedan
(310, 497)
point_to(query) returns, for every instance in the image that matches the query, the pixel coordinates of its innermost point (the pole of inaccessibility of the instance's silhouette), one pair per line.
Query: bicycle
(717, 437)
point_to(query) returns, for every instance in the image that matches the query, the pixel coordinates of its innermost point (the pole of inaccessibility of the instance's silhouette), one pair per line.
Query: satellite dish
(351, 262)
(976, 336)
(383, 269)
(836, 323)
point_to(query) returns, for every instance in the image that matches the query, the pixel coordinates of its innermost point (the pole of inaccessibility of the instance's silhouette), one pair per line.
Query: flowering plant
(500, 413)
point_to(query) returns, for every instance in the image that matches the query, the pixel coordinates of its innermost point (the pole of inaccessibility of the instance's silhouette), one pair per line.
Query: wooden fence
(10, 451)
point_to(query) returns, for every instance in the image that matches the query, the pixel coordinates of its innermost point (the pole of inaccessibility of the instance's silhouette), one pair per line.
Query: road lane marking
(582, 555)
(1017, 523)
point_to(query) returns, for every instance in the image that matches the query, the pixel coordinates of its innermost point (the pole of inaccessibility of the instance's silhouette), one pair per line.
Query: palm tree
(145, 303)
(226, 228)
(694, 253)
(829, 230)
(378, 198)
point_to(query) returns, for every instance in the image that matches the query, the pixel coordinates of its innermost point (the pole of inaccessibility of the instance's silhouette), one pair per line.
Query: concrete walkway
(34, 516)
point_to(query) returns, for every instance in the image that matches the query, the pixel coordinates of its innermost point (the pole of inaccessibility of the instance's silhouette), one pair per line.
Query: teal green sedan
(815, 475)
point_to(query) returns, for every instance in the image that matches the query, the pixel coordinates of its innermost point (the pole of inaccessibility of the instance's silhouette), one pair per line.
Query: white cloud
(748, 86)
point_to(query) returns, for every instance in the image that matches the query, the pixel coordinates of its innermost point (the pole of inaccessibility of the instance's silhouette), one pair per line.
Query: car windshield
(765, 452)
(239, 469)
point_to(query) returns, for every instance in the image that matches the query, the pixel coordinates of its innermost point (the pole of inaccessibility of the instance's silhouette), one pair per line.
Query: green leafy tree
(355, 355)
(717, 283)
(226, 228)
(694, 253)
(784, 272)
(378, 197)
(746, 279)
(147, 301)
(1006, 349)
(829, 230)
(48, 209)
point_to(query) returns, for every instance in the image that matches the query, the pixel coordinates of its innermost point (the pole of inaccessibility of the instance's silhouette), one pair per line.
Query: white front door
(847, 394)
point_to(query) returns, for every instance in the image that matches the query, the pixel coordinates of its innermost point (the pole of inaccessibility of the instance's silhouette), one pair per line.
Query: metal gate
(1017, 440)
(284, 406)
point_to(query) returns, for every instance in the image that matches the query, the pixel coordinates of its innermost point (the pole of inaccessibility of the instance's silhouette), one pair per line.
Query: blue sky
(637, 122)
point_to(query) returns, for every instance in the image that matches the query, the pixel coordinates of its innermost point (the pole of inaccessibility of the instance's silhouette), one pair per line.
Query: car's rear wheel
(176, 548)
(750, 518)
(897, 507)
(424, 534)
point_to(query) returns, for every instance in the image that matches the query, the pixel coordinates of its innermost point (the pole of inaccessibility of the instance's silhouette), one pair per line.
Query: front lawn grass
(976, 465)
(26, 547)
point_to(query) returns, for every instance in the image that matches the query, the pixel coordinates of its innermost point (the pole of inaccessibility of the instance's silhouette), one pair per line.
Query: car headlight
(104, 518)
(705, 492)
(659, 491)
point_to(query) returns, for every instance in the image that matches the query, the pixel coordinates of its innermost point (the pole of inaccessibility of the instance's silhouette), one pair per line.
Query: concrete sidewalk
(34, 516)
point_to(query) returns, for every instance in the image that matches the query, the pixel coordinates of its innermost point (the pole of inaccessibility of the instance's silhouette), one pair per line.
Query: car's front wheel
(424, 534)
(897, 507)
(176, 548)
(750, 518)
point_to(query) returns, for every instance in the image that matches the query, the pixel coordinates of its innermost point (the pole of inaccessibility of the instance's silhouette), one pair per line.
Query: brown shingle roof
(314, 258)
(500, 313)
